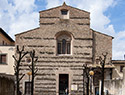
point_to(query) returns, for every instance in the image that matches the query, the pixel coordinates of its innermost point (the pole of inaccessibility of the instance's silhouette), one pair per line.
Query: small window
(64, 12)
(121, 68)
(3, 59)
(27, 88)
(3, 42)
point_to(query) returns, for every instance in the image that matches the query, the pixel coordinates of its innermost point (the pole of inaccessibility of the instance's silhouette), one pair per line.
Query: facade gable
(51, 16)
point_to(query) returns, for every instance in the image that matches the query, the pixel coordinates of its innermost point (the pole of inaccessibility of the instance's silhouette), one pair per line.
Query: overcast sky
(107, 16)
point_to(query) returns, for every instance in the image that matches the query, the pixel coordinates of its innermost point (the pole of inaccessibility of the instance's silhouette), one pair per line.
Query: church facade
(64, 42)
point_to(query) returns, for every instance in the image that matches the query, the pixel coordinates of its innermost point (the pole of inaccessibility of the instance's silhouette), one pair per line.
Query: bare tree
(86, 79)
(33, 69)
(20, 55)
(102, 62)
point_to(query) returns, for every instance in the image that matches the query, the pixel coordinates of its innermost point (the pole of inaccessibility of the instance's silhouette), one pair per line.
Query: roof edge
(64, 4)
(8, 76)
(27, 31)
(118, 61)
(7, 36)
(102, 33)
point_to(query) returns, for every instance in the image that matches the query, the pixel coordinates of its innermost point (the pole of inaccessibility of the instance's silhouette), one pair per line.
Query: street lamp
(29, 74)
(91, 73)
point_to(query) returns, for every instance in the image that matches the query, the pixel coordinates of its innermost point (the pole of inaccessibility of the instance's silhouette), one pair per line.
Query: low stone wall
(116, 86)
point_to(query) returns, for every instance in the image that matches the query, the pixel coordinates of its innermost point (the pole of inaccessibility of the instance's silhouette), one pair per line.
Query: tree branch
(36, 71)
(17, 49)
(24, 54)
(36, 59)
(14, 58)
(30, 67)
(22, 49)
(22, 77)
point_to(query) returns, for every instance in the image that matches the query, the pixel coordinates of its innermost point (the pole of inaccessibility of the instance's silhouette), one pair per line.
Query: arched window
(64, 44)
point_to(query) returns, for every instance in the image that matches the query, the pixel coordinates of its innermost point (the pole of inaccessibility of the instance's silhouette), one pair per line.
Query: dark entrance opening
(63, 84)
(27, 88)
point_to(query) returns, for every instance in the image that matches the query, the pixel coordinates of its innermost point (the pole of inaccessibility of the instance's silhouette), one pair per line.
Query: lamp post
(91, 73)
(102, 83)
(29, 74)
(87, 75)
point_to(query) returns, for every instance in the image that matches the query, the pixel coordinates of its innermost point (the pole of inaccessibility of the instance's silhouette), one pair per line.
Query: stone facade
(86, 46)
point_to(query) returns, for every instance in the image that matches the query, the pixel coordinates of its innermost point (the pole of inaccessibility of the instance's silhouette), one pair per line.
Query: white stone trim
(57, 79)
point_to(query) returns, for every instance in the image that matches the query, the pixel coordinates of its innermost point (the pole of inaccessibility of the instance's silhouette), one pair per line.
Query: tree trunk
(87, 85)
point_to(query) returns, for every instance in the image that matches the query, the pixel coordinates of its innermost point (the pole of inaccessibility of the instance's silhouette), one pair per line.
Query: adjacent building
(7, 49)
(64, 42)
(118, 70)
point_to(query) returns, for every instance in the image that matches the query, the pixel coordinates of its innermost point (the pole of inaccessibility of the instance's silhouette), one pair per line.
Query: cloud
(51, 4)
(24, 22)
(24, 6)
(18, 16)
(118, 45)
